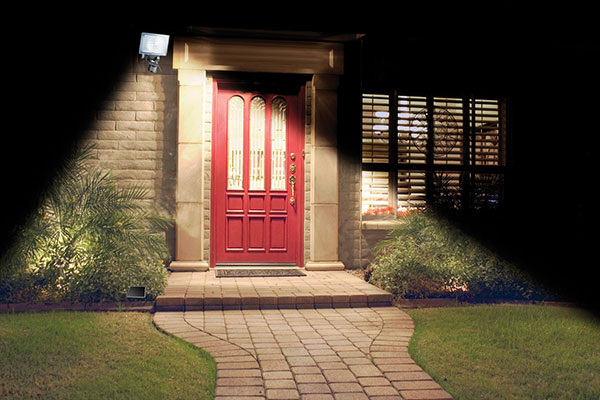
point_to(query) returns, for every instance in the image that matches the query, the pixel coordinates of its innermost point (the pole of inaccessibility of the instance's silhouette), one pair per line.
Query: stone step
(182, 302)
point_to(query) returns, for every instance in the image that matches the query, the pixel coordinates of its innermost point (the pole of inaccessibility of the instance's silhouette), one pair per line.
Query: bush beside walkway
(426, 256)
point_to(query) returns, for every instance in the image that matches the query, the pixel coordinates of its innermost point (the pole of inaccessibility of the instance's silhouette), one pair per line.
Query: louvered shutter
(375, 128)
(486, 125)
(442, 145)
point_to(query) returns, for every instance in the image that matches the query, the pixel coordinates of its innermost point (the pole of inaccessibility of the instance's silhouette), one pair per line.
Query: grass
(509, 352)
(79, 355)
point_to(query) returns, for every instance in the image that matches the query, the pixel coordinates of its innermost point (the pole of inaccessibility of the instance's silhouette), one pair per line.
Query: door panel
(278, 234)
(257, 211)
(235, 233)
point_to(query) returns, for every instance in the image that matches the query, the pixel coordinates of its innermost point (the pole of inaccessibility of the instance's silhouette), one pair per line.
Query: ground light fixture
(136, 293)
(152, 47)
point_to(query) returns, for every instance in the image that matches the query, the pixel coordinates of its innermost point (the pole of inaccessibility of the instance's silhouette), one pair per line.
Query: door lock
(293, 185)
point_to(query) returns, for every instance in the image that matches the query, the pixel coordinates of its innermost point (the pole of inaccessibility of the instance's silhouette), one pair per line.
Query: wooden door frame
(288, 84)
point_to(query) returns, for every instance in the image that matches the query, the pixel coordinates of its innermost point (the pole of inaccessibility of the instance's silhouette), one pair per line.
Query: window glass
(257, 144)
(235, 143)
(278, 144)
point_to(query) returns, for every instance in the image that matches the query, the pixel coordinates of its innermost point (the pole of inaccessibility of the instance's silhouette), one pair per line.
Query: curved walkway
(320, 354)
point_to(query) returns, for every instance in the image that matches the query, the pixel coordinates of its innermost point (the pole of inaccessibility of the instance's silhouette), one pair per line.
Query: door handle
(293, 185)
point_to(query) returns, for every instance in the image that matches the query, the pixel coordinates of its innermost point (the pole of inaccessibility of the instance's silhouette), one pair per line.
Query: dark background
(58, 66)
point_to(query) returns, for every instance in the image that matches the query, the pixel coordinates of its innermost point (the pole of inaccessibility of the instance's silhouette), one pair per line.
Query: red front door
(257, 177)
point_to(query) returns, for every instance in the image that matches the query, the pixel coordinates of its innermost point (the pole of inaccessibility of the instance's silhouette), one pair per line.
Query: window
(419, 150)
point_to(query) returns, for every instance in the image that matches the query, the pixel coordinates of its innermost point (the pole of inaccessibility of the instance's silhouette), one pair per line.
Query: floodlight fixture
(152, 47)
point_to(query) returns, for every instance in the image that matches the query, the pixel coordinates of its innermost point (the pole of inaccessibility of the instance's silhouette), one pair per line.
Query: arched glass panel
(235, 143)
(257, 144)
(278, 144)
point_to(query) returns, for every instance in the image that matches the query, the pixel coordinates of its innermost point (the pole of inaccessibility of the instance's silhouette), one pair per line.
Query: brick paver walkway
(307, 353)
(198, 291)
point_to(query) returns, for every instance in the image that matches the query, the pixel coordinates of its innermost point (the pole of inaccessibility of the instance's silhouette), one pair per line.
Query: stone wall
(135, 136)
(372, 233)
(135, 133)
(350, 244)
(307, 170)
(207, 149)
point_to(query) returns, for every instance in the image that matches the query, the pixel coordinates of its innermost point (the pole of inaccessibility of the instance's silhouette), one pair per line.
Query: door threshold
(256, 265)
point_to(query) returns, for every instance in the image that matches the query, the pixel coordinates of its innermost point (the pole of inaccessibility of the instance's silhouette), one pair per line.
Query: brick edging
(150, 306)
(140, 306)
(447, 302)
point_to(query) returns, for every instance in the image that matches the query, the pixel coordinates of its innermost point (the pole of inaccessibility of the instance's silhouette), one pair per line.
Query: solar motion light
(152, 47)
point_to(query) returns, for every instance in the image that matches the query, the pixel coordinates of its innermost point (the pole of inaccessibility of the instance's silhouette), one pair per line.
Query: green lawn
(509, 352)
(80, 355)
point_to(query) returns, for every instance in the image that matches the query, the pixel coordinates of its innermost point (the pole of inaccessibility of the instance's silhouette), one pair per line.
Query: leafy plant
(426, 256)
(90, 240)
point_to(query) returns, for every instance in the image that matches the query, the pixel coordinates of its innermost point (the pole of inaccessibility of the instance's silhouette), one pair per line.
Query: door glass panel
(278, 144)
(235, 143)
(257, 144)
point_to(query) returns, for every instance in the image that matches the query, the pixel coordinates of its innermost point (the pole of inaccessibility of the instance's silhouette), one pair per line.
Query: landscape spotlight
(152, 47)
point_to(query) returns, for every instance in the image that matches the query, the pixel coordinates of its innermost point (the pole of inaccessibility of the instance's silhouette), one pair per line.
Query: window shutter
(375, 128)
(486, 126)
(411, 189)
(461, 164)
(412, 129)
(448, 131)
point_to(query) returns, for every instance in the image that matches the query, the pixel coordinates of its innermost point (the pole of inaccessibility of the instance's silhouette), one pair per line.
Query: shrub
(426, 256)
(89, 240)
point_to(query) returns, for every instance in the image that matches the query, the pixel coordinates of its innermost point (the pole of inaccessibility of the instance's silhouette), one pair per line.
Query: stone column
(189, 195)
(324, 178)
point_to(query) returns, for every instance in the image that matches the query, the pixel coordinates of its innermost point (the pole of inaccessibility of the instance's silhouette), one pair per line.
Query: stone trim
(256, 55)
(188, 266)
(195, 136)
(382, 225)
(190, 199)
(324, 266)
(324, 182)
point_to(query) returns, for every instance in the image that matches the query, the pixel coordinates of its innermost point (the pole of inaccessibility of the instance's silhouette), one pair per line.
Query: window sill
(380, 224)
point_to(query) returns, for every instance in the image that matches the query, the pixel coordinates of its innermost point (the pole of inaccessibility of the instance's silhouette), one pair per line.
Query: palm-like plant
(91, 239)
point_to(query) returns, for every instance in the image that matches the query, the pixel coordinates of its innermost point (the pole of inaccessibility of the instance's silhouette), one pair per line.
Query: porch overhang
(258, 55)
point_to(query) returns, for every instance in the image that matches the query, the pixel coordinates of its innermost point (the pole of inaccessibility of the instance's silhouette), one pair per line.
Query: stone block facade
(136, 133)
(350, 243)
